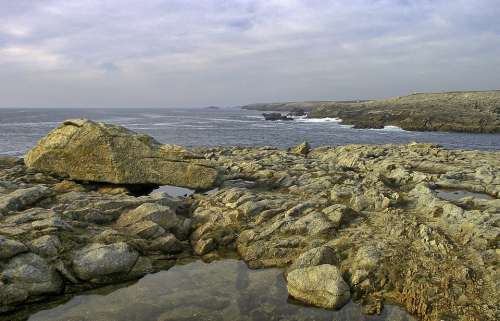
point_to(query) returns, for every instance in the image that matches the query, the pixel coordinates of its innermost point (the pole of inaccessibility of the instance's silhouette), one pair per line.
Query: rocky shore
(473, 111)
(414, 225)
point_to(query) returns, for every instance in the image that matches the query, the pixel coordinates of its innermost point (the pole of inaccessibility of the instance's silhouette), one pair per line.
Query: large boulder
(89, 151)
(320, 285)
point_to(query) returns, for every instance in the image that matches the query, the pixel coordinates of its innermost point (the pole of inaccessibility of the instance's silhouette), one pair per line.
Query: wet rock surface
(371, 213)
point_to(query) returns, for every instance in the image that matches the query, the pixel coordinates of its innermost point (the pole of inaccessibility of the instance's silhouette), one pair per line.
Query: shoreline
(371, 217)
(462, 112)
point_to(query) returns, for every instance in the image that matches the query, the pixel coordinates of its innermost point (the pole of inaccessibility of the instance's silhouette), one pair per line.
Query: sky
(193, 53)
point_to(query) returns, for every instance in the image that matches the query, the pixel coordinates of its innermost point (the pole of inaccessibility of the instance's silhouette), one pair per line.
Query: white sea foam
(394, 128)
(389, 128)
(318, 120)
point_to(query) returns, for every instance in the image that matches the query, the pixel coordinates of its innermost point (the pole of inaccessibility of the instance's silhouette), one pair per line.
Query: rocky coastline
(468, 111)
(368, 223)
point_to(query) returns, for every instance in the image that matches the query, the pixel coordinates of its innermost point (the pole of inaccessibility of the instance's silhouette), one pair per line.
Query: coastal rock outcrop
(61, 236)
(415, 225)
(460, 111)
(89, 151)
(380, 213)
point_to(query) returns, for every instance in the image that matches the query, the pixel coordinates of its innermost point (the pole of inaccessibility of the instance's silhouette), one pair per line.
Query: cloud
(31, 57)
(192, 53)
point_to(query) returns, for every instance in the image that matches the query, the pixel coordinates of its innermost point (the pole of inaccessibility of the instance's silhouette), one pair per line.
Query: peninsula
(471, 111)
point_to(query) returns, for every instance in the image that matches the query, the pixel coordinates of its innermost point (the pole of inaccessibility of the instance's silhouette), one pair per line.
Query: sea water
(20, 129)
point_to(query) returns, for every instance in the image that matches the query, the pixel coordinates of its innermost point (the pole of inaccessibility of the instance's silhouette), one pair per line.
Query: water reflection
(221, 290)
(457, 194)
(174, 190)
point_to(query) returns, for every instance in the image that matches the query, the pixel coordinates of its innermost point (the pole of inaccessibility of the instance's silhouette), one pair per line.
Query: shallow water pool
(457, 194)
(174, 190)
(221, 290)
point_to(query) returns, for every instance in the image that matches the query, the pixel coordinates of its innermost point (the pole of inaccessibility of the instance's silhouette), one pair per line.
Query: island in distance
(461, 111)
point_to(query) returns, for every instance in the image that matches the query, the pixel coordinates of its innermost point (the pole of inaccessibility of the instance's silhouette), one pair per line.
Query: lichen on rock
(88, 151)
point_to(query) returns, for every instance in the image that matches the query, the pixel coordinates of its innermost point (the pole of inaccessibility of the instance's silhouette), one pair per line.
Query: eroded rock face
(89, 151)
(320, 285)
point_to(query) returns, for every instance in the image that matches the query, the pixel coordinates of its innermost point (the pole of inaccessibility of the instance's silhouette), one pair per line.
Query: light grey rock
(299, 209)
(167, 244)
(367, 258)
(337, 213)
(30, 215)
(47, 245)
(98, 260)
(251, 208)
(316, 256)
(11, 295)
(182, 230)
(161, 215)
(10, 248)
(146, 229)
(320, 285)
(21, 198)
(53, 222)
(314, 223)
(29, 275)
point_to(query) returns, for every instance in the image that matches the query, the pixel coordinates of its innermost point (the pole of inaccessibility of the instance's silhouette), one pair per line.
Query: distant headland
(458, 111)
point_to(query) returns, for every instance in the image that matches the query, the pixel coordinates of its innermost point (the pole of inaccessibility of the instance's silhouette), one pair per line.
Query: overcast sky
(168, 53)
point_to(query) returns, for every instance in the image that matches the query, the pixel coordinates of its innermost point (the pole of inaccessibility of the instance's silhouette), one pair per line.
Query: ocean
(20, 129)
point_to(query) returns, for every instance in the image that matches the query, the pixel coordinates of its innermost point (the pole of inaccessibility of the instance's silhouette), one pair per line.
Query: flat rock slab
(89, 151)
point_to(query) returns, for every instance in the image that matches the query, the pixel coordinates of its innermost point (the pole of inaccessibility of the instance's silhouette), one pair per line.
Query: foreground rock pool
(221, 290)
